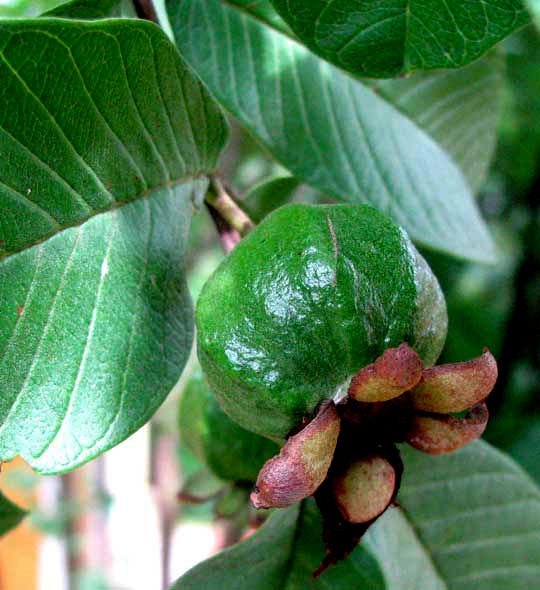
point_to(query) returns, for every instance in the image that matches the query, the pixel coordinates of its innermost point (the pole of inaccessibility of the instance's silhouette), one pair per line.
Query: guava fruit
(231, 452)
(304, 302)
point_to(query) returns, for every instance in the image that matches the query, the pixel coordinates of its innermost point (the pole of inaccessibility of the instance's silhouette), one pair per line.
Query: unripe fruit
(303, 303)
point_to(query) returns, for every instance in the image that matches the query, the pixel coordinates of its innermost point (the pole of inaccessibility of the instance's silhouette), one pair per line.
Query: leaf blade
(386, 39)
(282, 556)
(460, 109)
(328, 128)
(112, 147)
(93, 9)
(475, 514)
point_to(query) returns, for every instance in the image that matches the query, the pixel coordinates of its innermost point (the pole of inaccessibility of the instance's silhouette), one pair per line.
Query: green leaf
(202, 486)
(471, 519)
(264, 11)
(101, 162)
(525, 447)
(94, 9)
(10, 515)
(459, 109)
(534, 9)
(405, 562)
(328, 128)
(382, 39)
(282, 555)
(269, 195)
(234, 501)
(466, 521)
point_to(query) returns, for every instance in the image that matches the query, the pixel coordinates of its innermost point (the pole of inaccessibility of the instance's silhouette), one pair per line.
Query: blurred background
(85, 528)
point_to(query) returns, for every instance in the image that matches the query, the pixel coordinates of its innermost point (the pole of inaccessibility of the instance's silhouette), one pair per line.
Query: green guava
(231, 452)
(306, 300)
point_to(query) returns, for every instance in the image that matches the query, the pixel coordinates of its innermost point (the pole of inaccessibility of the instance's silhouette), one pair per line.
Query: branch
(231, 221)
(145, 10)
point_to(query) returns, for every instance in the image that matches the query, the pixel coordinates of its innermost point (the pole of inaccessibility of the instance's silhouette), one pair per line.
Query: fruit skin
(231, 452)
(311, 296)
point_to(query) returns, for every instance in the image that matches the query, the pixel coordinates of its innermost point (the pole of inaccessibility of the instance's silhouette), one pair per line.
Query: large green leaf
(474, 514)
(104, 138)
(94, 9)
(465, 521)
(282, 555)
(10, 515)
(381, 38)
(328, 128)
(460, 109)
(405, 562)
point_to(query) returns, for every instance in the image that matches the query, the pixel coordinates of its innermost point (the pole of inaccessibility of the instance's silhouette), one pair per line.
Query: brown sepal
(302, 463)
(341, 536)
(394, 372)
(364, 490)
(437, 434)
(454, 387)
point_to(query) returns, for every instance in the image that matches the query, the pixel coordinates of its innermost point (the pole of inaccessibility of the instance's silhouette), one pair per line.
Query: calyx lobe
(302, 463)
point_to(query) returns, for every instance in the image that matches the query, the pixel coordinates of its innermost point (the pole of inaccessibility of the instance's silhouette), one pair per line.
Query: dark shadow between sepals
(339, 535)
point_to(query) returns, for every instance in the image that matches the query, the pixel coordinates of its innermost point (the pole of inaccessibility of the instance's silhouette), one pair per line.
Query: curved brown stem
(232, 223)
(145, 10)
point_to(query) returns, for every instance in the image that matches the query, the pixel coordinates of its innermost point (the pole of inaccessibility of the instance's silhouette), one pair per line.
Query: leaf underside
(464, 521)
(282, 555)
(476, 515)
(105, 138)
(459, 109)
(330, 129)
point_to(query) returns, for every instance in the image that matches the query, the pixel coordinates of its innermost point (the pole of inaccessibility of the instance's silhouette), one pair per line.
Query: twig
(145, 9)
(231, 221)
(228, 236)
(165, 484)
